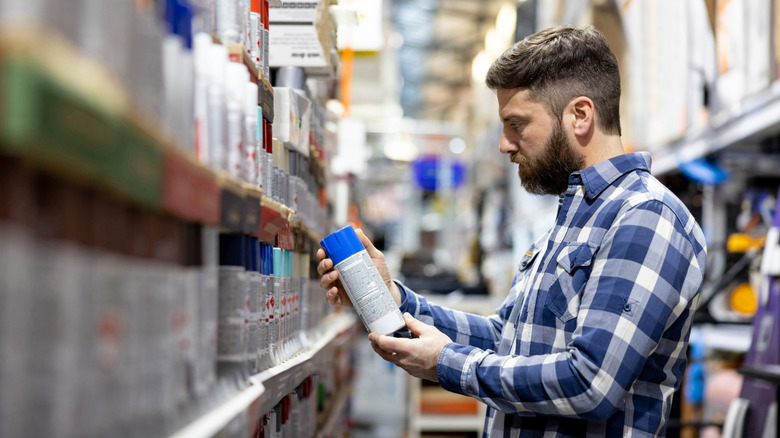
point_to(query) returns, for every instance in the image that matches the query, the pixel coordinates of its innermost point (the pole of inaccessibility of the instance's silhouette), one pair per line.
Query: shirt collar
(601, 175)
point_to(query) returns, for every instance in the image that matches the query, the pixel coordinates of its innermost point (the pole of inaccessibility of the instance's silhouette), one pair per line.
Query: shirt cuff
(404, 296)
(452, 369)
(403, 332)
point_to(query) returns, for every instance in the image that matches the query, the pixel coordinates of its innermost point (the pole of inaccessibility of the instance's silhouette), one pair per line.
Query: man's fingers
(390, 357)
(334, 297)
(325, 264)
(387, 347)
(388, 343)
(416, 326)
(329, 280)
(366, 242)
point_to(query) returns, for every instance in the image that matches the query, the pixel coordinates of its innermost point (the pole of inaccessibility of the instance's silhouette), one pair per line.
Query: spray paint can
(361, 280)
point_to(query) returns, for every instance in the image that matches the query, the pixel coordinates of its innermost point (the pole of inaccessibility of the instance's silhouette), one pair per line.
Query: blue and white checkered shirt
(597, 345)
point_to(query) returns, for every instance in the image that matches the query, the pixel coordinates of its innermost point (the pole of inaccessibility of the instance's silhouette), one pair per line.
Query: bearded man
(591, 339)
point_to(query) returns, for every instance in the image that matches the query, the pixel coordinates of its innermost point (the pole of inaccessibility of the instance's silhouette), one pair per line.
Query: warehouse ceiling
(440, 40)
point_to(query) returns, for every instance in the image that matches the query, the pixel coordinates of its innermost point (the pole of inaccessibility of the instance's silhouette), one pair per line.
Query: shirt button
(627, 307)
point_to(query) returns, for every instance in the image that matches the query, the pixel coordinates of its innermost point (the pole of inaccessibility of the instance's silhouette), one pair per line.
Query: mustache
(516, 158)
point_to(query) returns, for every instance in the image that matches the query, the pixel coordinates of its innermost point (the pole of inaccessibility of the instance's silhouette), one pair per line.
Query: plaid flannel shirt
(597, 345)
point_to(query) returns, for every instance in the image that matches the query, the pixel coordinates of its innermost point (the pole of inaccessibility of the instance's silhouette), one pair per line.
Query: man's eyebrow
(515, 118)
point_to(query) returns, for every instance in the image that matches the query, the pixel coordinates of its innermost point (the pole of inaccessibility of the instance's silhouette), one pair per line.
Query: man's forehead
(510, 93)
(515, 101)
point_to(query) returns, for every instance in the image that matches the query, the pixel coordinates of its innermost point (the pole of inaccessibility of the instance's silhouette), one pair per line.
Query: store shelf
(724, 337)
(329, 428)
(420, 422)
(210, 424)
(53, 118)
(283, 379)
(757, 117)
(449, 423)
(266, 389)
(769, 373)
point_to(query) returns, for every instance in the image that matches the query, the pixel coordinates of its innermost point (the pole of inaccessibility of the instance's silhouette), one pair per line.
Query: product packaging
(362, 281)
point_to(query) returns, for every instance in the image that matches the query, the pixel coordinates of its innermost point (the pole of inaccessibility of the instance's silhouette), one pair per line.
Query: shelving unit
(724, 337)
(770, 373)
(283, 379)
(463, 417)
(756, 118)
(265, 389)
(330, 426)
(421, 422)
(66, 117)
(450, 423)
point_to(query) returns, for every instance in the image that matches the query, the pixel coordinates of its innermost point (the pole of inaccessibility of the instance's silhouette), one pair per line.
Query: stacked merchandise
(149, 265)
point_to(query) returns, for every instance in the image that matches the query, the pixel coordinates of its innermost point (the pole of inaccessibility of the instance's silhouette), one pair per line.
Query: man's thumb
(415, 325)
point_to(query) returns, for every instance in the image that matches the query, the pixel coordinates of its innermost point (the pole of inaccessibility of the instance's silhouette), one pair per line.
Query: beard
(549, 173)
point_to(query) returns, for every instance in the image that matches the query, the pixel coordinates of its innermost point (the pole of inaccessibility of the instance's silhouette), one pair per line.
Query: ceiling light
(480, 66)
(457, 145)
(401, 149)
(494, 42)
(506, 21)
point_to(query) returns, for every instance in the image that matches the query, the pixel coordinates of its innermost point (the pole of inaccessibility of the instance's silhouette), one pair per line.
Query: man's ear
(582, 116)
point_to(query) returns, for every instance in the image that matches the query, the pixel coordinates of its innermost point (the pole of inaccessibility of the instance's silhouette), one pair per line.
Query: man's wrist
(403, 296)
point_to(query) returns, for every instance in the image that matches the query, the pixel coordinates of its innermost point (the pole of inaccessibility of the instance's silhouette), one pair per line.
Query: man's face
(536, 142)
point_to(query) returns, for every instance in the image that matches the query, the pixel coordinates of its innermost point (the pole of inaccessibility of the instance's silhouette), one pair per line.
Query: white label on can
(368, 293)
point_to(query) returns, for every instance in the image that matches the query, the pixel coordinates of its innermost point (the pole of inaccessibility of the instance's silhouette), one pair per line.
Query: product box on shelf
(302, 36)
(701, 67)
(266, 99)
(294, 12)
(730, 48)
(775, 36)
(758, 35)
(233, 207)
(292, 110)
(252, 211)
(236, 53)
(298, 45)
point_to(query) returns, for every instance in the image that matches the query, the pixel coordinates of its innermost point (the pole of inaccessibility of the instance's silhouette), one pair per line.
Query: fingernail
(407, 315)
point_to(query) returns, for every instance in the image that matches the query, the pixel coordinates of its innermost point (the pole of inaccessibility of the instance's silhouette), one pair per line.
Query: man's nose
(505, 145)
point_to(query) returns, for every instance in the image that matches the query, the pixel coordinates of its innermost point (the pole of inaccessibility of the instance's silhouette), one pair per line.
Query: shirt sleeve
(462, 327)
(643, 284)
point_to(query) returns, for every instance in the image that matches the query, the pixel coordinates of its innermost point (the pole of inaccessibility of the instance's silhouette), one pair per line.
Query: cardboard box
(293, 12)
(292, 119)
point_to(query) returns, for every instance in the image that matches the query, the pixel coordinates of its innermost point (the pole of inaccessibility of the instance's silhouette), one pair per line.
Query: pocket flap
(575, 255)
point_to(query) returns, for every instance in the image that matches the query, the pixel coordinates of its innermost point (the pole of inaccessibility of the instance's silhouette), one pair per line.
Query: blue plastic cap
(253, 246)
(232, 250)
(342, 244)
(269, 260)
(263, 261)
(704, 171)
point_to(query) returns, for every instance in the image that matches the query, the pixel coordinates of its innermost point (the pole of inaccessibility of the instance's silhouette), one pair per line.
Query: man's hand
(418, 356)
(335, 294)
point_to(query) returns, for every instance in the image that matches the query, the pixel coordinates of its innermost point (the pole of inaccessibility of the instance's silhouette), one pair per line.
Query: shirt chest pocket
(571, 273)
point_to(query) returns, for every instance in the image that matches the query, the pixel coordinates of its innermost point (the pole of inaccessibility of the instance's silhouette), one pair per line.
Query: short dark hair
(559, 64)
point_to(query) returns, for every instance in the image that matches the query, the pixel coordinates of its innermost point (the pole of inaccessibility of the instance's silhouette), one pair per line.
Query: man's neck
(603, 148)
